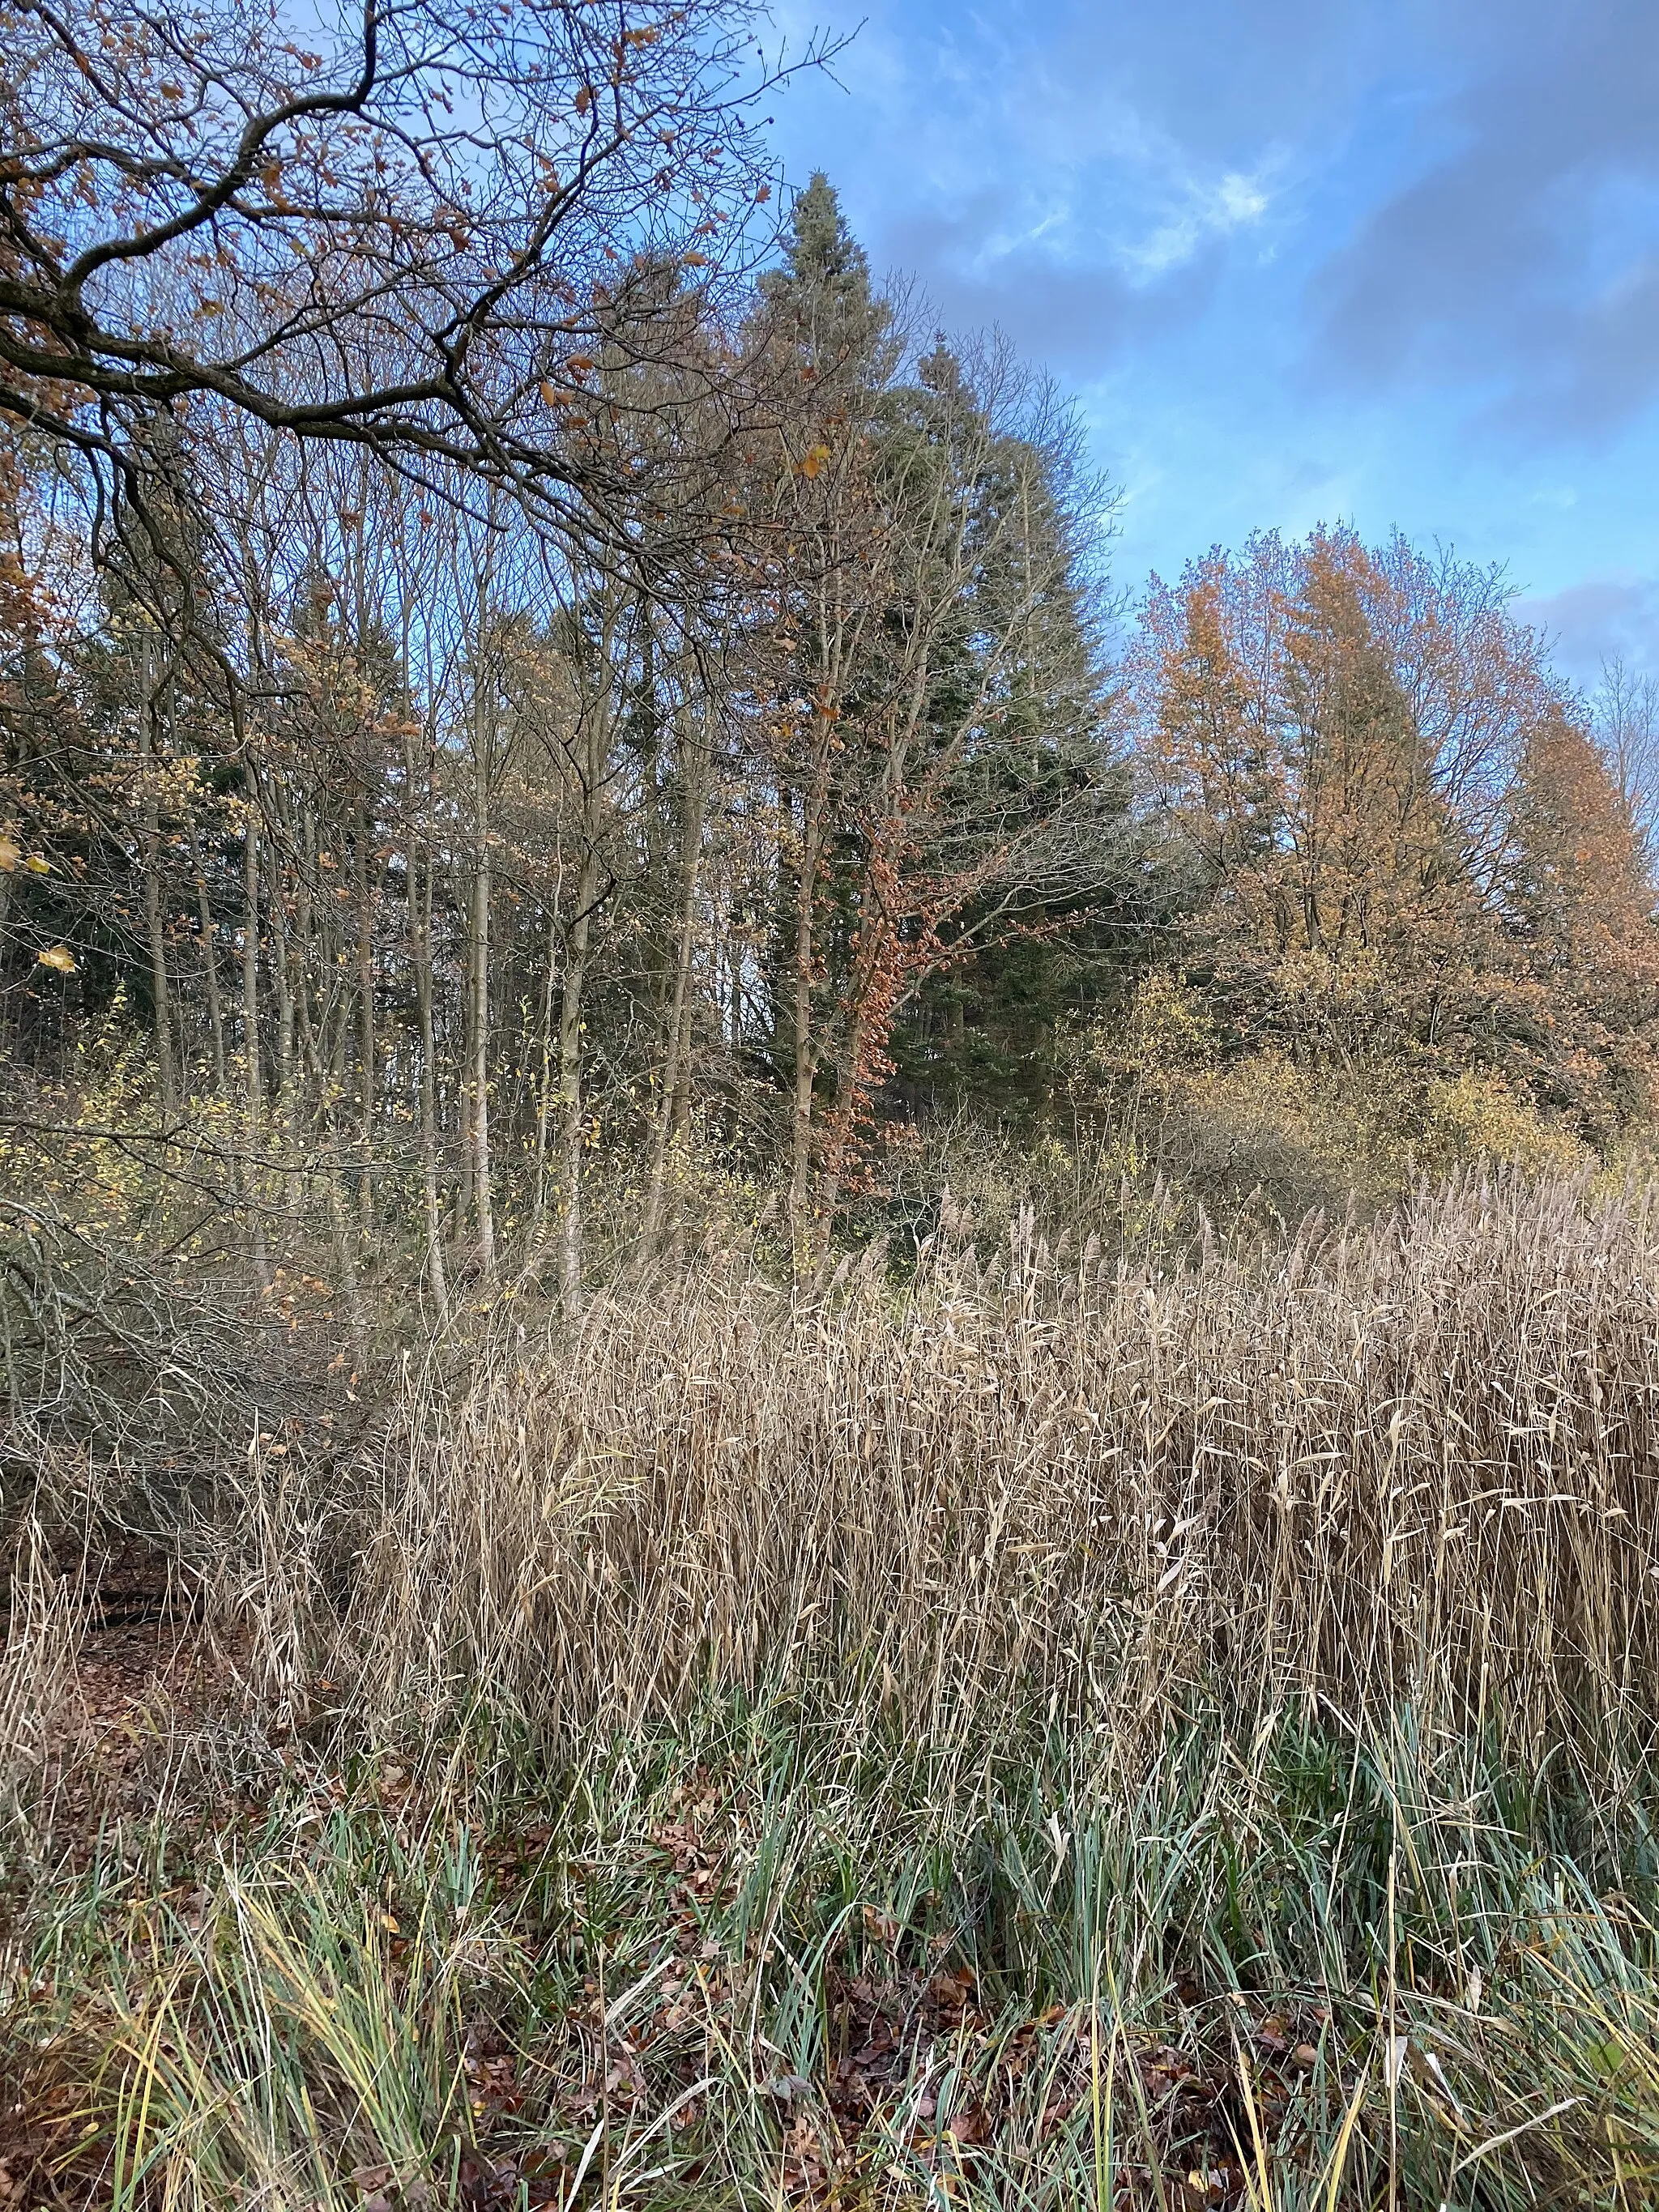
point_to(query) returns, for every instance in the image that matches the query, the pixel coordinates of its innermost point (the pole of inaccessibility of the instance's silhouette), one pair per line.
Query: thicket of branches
(524, 686)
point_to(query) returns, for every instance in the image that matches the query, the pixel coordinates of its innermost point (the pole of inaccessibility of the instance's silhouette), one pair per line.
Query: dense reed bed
(1050, 1730)
(1415, 1463)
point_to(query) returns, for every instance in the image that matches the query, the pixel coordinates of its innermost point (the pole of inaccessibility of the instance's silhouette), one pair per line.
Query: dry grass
(1415, 1463)
(1022, 1737)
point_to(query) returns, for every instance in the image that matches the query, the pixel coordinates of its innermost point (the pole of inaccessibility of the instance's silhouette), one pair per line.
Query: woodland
(831, 1349)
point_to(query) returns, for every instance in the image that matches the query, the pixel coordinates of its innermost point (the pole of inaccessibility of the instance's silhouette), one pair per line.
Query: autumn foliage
(1405, 852)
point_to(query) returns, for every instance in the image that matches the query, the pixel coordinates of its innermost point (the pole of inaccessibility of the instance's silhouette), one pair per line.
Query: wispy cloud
(1233, 202)
(1521, 258)
(1396, 264)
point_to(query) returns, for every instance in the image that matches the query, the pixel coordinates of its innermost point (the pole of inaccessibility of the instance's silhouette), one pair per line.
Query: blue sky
(1299, 260)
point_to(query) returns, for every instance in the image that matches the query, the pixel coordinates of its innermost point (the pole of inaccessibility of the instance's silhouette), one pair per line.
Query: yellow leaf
(9, 854)
(59, 956)
(695, 260)
(39, 867)
(812, 465)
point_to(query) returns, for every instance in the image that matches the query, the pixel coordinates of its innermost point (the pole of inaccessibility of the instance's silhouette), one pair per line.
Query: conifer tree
(1584, 1015)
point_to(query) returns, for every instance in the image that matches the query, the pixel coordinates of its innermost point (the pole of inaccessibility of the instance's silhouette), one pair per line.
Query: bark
(333, 1171)
(570, 1082)
(283, 980)
(672, 1100)
(421, 871)
(546, 1086)
(167, 1081)
(209, 965)
(804, 1039)
(479, 992)
(839, 1138)
(366, 1036)
(253, 1095)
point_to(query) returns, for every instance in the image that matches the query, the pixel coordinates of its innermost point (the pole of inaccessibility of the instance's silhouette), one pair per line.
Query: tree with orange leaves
(1324, 724)
(1583, 1008)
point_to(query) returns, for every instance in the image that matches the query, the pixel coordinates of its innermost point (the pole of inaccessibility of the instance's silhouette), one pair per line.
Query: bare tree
(1625, 718)
(415, 240)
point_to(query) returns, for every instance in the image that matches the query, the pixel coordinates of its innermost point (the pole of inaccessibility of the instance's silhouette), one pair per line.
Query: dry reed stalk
(1417, 1463)
(45, 1621)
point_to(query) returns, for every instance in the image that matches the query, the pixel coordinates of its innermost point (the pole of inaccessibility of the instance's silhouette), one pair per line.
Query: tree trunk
(479, 985)
(333, 1168)
(366, 1038)
(570, 1085)
(154, 911)
(805, 1038)
(252, 1079)
(671, 1103)
(838, 1141)
(281, 976)
(546, 1087)
(209, 965)
(420, 915)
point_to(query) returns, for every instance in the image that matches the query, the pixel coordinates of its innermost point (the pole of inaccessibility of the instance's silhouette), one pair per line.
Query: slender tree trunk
(805, 1038)
(333, 1169)
(838, 1138)
(460, 899)
(253, 1099)
(419, 877)
(366, 1038)
(570, 1082)
(286, 1101)
(546, 1086)
(480, 997)
(282, 979)
(155, 910)
(671, 1105)
(460, 1201)
(209, 965)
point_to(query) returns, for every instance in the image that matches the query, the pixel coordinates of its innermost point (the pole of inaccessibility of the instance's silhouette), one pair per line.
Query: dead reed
(1414, 1464)
(1050, 1732)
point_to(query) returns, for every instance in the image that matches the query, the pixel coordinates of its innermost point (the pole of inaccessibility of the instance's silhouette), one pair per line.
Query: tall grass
(1413, 1463)
(1050, 1731)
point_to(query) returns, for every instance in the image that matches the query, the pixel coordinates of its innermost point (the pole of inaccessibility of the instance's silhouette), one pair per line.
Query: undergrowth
(1050, 1732)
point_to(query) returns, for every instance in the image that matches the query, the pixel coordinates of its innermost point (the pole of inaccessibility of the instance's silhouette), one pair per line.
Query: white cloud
(1233, 202)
